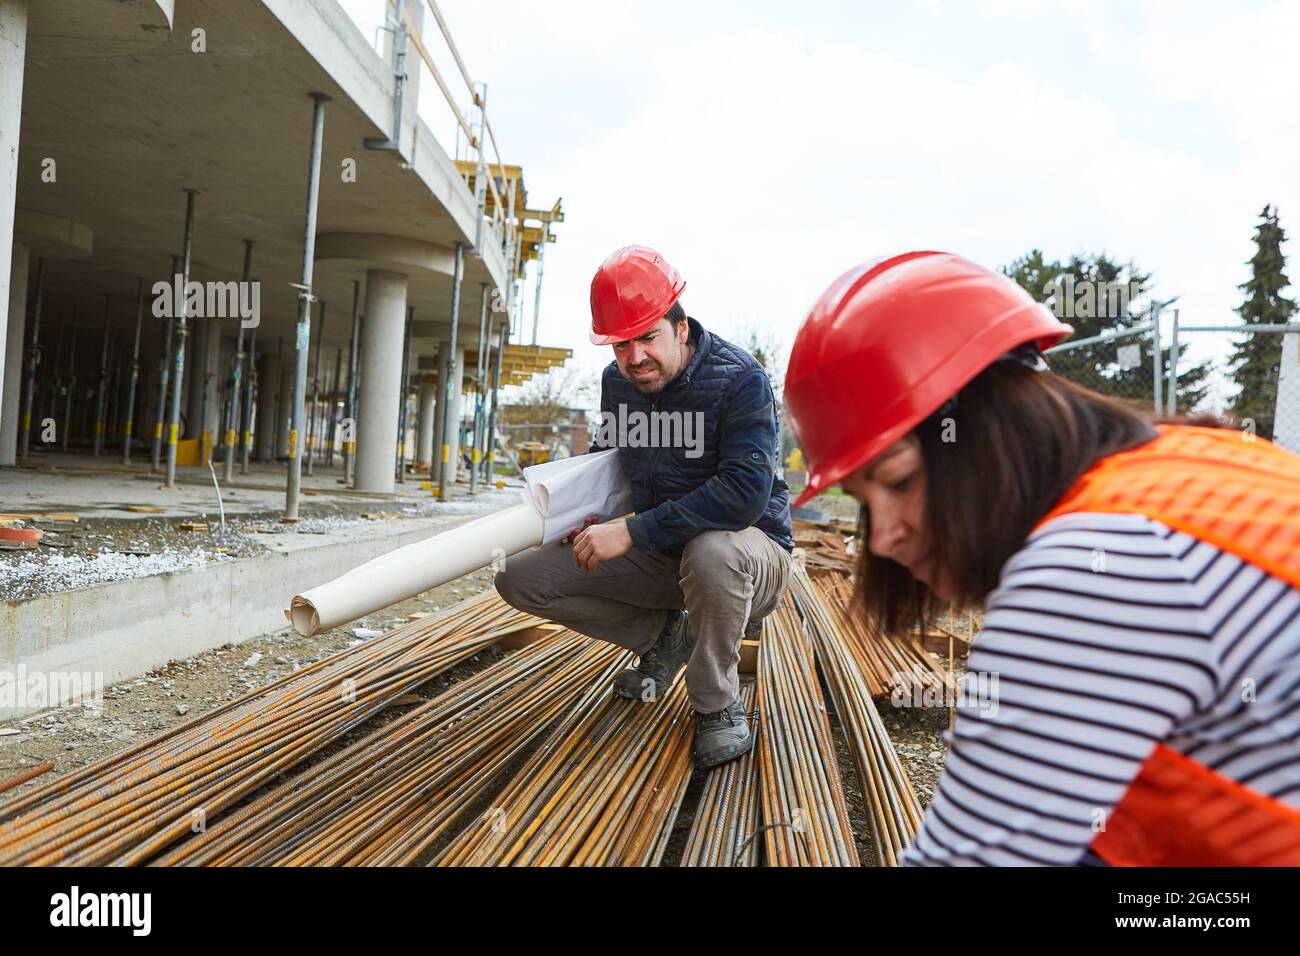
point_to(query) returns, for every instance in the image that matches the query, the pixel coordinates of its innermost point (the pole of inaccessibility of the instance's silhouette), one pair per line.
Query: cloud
(765, 153)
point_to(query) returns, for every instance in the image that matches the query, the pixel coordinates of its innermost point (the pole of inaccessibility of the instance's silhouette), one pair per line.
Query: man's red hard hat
(888, 343)
(632, 290)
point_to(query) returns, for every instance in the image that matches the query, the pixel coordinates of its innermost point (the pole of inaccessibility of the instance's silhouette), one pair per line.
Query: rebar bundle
(888, 664)
(892, 807)
(725, 829)
(805, 819)
(130, 807)
(386, 799)
(603, 790)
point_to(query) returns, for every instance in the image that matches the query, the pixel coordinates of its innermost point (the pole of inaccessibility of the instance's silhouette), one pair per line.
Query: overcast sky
(765, 147)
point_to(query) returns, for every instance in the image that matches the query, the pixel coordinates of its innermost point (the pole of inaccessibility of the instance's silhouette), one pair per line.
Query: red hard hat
(631, 291)
(888, 343)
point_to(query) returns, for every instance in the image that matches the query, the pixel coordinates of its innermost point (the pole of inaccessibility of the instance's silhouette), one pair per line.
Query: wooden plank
(527, 636)
(748, 657)
(41, 516)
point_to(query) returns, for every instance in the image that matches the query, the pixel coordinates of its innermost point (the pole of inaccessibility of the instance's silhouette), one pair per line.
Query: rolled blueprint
(558, 496)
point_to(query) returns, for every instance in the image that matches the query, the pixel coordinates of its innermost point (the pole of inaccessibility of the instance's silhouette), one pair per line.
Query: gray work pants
(723, 579)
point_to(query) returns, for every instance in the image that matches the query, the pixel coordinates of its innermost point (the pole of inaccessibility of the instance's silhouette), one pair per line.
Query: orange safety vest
(1242, 495)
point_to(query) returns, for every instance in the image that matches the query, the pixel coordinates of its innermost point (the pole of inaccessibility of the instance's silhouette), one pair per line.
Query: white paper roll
(559, 495)
(416, 568)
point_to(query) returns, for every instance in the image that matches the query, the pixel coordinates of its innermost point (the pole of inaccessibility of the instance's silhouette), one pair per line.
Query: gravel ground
(95, 550)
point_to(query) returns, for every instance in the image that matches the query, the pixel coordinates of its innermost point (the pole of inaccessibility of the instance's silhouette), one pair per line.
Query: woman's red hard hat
(888, 343)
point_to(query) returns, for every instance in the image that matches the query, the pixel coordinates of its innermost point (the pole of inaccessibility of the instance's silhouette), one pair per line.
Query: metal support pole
(304, 307)
(480, 380)
(394, 142)
(246, 419)
(33, 360)
(55, 389)
(164, 366)
(403, 401)
(101, 389)
(181, 307)
(1173, 368)
(135, 373)
(277, 410)
(349, 437)
(334, 409)
(115, 349)
(537, 295)
(449, 438)
(491, 441)
(481, 173)
(72, 384)
(314, 418)
(232, 412)
(1157, 371)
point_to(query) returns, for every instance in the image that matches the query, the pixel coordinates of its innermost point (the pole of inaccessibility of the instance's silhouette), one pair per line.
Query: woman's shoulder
(1122, 559)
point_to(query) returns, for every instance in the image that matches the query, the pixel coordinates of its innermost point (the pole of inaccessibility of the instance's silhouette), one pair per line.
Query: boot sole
(711, 762)
(628, 694)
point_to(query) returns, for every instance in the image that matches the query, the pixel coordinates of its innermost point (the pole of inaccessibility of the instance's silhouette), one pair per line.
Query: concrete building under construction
(227, 218)
(229, 236)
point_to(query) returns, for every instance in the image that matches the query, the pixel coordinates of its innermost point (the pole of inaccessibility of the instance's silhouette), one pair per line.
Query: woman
(1141, 582)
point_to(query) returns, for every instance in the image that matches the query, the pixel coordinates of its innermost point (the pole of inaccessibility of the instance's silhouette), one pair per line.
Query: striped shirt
(1109, 634)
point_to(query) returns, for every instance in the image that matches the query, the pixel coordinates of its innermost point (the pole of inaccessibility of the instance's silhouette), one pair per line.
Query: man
(708, 550)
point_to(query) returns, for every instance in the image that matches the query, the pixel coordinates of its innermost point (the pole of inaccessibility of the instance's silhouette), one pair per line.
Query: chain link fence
(1248, 375)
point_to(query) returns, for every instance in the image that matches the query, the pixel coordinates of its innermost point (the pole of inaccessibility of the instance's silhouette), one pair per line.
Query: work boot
(657, 668)
(721, 736)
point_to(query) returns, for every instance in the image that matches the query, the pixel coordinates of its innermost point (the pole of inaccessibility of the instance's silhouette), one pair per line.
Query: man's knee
(714, 553)
(518, 585)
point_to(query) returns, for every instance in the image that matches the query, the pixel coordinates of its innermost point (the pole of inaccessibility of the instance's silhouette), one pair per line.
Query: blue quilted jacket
(704, 453)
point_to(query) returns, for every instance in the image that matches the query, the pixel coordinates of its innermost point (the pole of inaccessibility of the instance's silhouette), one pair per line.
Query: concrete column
(13, 58)
(284, 411)
(424, 447)
(11, 358)
(383, 334)
(268, 385)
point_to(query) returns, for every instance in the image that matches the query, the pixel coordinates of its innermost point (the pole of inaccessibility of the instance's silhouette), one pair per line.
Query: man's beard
(651, 386)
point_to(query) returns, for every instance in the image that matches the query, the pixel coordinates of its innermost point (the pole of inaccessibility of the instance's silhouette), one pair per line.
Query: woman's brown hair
(996, 462)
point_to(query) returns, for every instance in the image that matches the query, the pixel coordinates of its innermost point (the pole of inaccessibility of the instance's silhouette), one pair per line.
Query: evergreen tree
(1095, 294)
(1257, 359)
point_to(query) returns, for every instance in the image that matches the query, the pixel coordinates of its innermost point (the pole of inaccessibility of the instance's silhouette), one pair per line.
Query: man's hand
(602, 542)
(587, 522)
